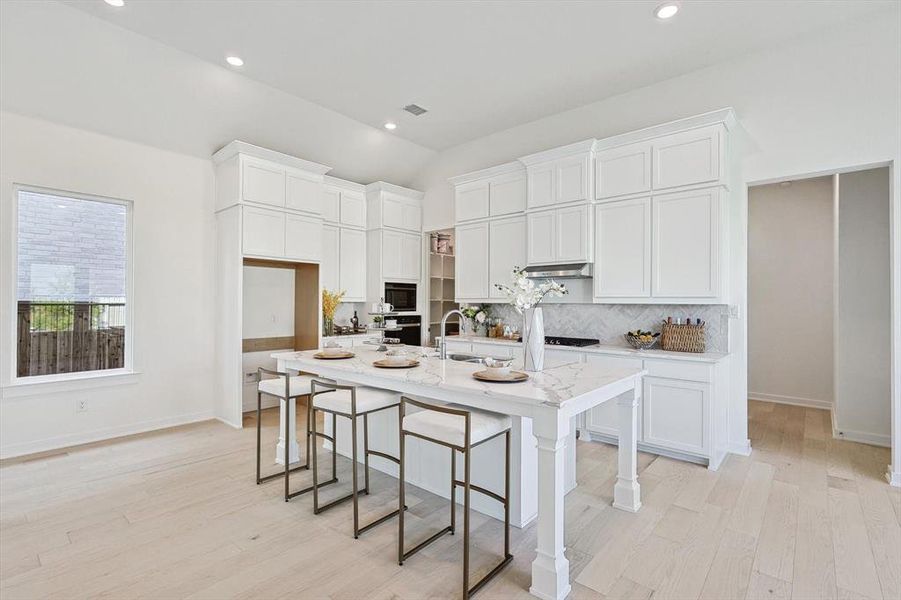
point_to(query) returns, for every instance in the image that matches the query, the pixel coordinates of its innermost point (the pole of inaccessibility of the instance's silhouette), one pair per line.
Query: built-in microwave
(402, 296)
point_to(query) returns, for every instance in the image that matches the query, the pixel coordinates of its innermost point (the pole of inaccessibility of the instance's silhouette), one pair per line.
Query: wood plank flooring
(176, 514)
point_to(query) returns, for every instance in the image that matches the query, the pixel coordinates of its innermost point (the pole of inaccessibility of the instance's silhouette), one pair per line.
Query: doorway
(819, 311)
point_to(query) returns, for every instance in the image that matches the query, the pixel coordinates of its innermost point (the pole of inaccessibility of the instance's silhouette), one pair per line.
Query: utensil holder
(683, 338)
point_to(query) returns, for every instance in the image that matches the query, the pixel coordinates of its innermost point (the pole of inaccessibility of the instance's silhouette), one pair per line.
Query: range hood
(569, 271)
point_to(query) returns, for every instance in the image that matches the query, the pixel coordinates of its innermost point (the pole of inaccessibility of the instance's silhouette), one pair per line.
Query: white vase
(533, 339)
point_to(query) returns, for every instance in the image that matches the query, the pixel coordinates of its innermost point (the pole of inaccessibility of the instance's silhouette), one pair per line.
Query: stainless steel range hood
(570, 271)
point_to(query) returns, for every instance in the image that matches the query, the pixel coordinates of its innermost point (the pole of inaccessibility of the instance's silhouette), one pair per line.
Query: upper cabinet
(506, 249)
(686, 244)
(622, 259)
(262, 182)
(344, 203)
(303, 192)
(493, 192)
(559, 176)
(559, 236)
(689, 158)
(394, 207)
(624, 170)
(471, 262)
(352, 264)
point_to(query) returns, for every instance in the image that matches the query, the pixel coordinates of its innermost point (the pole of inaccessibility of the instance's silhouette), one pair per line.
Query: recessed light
(116, 3)
(61, 206)
(667, 10)
(390, 126)
(234, 61)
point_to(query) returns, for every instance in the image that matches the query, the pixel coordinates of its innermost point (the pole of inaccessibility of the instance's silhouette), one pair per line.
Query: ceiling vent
(415, 110)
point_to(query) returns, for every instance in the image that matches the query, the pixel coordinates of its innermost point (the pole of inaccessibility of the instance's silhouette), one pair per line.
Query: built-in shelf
(441, 292)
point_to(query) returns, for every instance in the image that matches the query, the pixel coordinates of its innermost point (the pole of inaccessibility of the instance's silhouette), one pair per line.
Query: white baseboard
(742, 448)
(893, 477)
(98, 435)
(863, 437)
(791, 400)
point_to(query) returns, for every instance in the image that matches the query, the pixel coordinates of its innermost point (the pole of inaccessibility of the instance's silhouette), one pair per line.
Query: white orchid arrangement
(475, 313)
(524, 294)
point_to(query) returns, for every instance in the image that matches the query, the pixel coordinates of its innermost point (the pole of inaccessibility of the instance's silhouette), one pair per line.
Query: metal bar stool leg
(400, 486)
(259, 429)
(466, 498)
(366, 453)
(453, 494)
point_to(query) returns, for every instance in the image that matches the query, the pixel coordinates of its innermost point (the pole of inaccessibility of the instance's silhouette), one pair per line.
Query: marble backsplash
(608, 322)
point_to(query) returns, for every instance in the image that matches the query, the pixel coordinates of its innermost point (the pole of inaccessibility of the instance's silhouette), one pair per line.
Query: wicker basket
(683, 338)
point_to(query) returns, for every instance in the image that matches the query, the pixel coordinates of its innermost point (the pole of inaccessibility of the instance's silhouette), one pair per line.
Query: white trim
(510, 167)
(740, 449)
(863, 437)
(893, 477)
(99, 435)
(229, 423)
(544, 156)
(238, 147)
(384, 186)
(791, 400)
(68, 382)
(726, 116)
(344, 184)
(129, 367)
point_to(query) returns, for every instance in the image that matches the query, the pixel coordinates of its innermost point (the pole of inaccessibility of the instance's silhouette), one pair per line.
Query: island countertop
(560, 382)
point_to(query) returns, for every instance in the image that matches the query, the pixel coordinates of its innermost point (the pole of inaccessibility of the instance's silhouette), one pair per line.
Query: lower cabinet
(675, 414)
(605, 418)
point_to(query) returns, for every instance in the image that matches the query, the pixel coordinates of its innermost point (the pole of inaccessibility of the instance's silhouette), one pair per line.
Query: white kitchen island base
(550, 399)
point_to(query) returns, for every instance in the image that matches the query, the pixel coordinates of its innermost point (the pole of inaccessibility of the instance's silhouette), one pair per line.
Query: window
(72, 277)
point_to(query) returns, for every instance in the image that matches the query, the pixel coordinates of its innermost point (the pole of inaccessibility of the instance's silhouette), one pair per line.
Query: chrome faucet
(442, 348)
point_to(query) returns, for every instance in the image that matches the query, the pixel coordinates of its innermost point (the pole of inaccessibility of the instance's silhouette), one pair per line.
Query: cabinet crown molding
(384, 186)
(238, 147)
(724, 116)
(510, 167)
(559, 152)
(344, 184)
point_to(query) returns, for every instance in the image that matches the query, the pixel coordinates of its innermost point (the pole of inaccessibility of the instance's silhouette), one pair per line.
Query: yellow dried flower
(330, 302)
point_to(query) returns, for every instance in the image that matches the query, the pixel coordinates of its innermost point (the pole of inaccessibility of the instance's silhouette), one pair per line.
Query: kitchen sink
(470, 358)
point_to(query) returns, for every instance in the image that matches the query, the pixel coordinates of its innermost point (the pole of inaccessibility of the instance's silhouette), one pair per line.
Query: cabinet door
(573, 240)
(303, 237)
(622, 249)
(674, 414)
(471, 268)
(686, 244)
(540, 233)
(352, 272)
(688, 158)
(264, 232)
(330, 263)
(411, 256)
(263, 183)
(471, 200)
(604, 418)
(412, 216)
(392, 253)
(572, 176)
(506, 249)
(392, 211)
(353, 209)
(541, 186)
(507, 194)
(303, 193)
(331, 201)
(624, 170)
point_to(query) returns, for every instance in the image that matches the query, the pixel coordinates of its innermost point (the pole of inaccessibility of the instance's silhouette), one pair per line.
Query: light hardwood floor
(176, 514)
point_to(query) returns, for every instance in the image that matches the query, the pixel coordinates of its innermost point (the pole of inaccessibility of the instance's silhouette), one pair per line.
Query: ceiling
(478, 67)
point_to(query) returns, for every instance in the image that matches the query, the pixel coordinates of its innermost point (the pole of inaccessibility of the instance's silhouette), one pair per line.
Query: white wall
(863, 365)
(173, 267)
(825, 102)
(790, 276)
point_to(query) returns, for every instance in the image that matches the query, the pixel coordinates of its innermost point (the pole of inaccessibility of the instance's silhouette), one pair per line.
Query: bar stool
(461, 429)
(286, 387)
(351, 402)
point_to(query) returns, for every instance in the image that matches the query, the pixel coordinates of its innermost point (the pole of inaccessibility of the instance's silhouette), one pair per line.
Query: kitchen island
(547, 402)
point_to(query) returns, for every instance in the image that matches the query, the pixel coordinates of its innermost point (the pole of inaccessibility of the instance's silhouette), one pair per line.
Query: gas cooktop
(552, 340)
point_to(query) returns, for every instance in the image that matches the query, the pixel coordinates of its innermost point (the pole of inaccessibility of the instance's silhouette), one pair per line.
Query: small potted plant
(477, 316)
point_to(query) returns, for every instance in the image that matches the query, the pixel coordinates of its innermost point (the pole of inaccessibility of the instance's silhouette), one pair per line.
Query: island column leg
(293, 448)
(627, 491)
(550, 569)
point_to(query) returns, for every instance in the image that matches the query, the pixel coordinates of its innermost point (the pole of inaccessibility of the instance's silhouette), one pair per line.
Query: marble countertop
(560, 381)
(707, 357)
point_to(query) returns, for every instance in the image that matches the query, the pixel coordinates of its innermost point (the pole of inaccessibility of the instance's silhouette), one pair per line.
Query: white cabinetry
(493, 192)
(388, 208)
(559, 236)
(686, 244)
(331, 204)
(507, 194)
(262, 182)
(471, 264)
(604, 419)
(303, 192)
(471, 201)
(690, 157)
(330, 264)
(506, 249)
(624, 170)
(559, 176)
(353, 209)
(303, 238)
(263, 232)
(622, 259)
(352, 264)
(675, 414)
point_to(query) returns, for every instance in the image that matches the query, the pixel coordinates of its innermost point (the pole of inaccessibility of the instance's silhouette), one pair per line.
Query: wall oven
(402, 296)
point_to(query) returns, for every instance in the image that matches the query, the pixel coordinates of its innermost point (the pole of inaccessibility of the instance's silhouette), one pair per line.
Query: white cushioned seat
(368, 399)
(300, 386)
(451, 429)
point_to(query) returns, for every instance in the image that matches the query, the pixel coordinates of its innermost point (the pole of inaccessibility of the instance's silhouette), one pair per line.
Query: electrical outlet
(81, 406)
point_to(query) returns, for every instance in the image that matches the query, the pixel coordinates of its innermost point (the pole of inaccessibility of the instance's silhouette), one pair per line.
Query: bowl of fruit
(641, 340)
